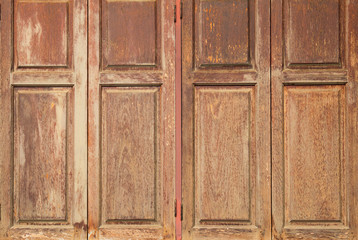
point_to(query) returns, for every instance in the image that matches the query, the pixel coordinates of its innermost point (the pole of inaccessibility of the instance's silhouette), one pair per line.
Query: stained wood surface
(314, 156)
(131, 120)
(40, 154)
(224, 135)
(225, 120)
(130, 160)
(43, 131)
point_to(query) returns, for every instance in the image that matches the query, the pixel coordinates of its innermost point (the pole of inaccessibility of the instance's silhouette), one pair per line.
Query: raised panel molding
(314, 155)
(223, 163)
(130, 34)
(130, 161)
(313, 26)
(222, 38)
(43, 156)
(42, 34)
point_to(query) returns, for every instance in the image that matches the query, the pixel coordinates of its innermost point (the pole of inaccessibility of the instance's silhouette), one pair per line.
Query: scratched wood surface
(43, 161)
(314, 119)
(225, 120)
(131, 120)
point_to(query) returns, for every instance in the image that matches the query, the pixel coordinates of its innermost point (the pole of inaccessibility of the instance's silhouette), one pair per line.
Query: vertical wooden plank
(127, 73)
(6, 152)
(47, 95)
(313, 132)
(225, 49)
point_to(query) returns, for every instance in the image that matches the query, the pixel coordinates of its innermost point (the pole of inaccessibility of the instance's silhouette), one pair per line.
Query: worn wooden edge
(139, 77)
(45, 78)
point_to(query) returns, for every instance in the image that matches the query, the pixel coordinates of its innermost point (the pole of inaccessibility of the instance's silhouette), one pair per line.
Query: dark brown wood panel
(130, 33)
(312, 32)
(223, 154)
(43, 125)
(42, 37)
(41, 160)
(129, 150)
(223, 33)
(225, 120)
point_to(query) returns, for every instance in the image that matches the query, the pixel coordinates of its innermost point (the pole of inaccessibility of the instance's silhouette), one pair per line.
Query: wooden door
(43, 120)
(131, 141)
(226, 119)
(314, 119)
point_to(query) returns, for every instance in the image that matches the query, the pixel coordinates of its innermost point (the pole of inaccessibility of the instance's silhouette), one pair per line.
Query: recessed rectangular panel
(314, 120)
(41, 34)
(223, 135)
(224, 32)
(129, 33)
(40, 153)
(129, 153)
(312, 31)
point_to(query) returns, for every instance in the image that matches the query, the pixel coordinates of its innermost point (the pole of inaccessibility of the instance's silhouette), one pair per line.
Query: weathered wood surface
(225, 114)
(314, 119)
(131, 120)
(43, 131)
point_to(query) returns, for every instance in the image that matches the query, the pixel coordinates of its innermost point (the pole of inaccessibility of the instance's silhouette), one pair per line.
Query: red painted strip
(178, 120)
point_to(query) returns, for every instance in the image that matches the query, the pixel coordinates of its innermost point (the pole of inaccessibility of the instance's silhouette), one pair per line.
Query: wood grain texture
(313, 159)
(40, 153)
(313, 146)
(43, 178)
(224, 134)
(137, 88)
(129, 154)
(130, 33)
(41, 34)
(223, 32)
(214, 138)
(315, 27)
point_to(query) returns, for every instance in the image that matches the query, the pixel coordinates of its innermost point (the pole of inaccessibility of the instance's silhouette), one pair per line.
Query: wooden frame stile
(137, 78)
(178, 117)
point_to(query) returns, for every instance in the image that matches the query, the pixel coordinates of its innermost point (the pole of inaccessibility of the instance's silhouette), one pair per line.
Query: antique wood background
(96, 128)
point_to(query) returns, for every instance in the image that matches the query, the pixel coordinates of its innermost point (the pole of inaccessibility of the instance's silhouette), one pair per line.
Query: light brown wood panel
(314, 134)
(38, 43)
(131, 119)
(129, 150)
(224, 133)
(225, 120)
(42, 164)
(43, 130)
(313, 154)
(130, 33)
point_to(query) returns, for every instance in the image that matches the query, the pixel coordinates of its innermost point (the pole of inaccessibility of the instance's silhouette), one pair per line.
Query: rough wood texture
(313, 147)
(130, 33)
(224, 134)
(41, 34)
(314, 27)
(40, 154)
(43, 131)
(314, 136)
(129, 153)
(131, 120)
(215, 124)
(223, 32)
